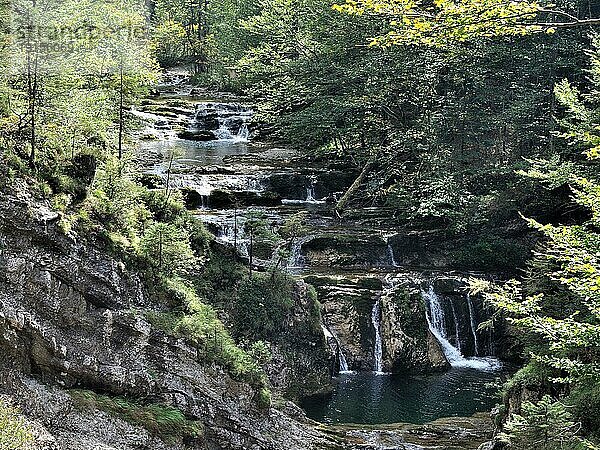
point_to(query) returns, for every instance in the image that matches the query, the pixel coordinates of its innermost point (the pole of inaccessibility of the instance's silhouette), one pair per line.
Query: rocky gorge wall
(70, 317)
(407, 342)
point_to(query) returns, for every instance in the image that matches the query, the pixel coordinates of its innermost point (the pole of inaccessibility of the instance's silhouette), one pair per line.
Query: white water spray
(436, 322)
(456, 327)
(473, 324)
(343, 363)
(391, 257)
(378, 348)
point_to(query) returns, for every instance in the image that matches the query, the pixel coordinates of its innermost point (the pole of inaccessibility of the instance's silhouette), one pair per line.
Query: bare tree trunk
(160, 251)
(235, 227)
(121, 110)
(32, 88)
(168, 181)
(353, 188)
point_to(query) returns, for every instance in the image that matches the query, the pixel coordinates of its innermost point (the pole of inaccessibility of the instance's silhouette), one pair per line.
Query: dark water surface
(368, 398)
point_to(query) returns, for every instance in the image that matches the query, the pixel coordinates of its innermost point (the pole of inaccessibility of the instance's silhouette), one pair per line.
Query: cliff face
(408, 345)
(70, 317)
(302, 363)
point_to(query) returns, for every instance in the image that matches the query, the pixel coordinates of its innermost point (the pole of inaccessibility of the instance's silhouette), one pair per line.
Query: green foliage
(67, 89)
(14, 434)
(263, 399)
(180, 33)
(492, 253)
(545, 425)
(170, 42)
(201, 325)
(557, 305)
(261, 305)
(168, 248)
(585, 400)
(440, 132)
(261, 352)
(532, 376)
(219, 279)
(165, 421)
(447, 22)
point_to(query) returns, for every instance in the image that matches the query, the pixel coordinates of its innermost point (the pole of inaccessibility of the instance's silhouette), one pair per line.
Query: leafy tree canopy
(443, 22)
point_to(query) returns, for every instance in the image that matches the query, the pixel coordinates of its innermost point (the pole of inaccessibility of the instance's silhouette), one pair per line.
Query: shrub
(262, 305)
(219, 278)
(492, 253)
(167, 422)
(545, 425)
(263, 398)
(14, 434)
(202, 326)
(532, 375)
(168, 248)
(585, 399)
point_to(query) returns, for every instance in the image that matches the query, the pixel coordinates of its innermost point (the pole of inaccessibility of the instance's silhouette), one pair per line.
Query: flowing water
(436, 319)
(212, 144)
(342, 363)
(473, 324)
(377, 348)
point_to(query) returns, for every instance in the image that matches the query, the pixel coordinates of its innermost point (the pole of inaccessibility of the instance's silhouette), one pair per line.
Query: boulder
(197, 135)
(408, 345)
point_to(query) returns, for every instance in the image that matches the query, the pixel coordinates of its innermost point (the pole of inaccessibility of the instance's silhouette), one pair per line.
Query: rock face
(347, 302)
(69, 318)
(408, 345)
(303, 363)
(343, 249)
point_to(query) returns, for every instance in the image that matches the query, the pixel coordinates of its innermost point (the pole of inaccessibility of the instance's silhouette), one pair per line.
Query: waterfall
(436, 321)
(255, 184)
(296, 260)
(343, 364)
(243, 133)
(456, 327)
(377, 349)
(310, 191)
(391, 258)
(228, 121)
(473, 324)
(204, 201)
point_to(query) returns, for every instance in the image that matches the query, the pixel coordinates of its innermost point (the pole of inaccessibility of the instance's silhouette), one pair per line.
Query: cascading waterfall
(473, 324)
(296, 260)
(204, 201)
(243, 133)
(378, 348)
(310, 192)
(436, 321)
(228, 121)
(343, 364)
